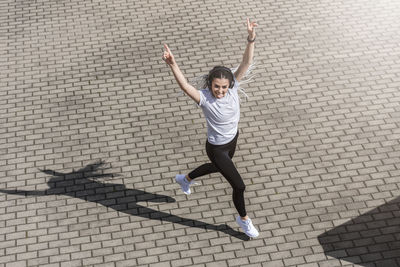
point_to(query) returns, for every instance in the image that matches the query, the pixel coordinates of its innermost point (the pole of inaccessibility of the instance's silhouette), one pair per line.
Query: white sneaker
(247, 227)
(184, 183)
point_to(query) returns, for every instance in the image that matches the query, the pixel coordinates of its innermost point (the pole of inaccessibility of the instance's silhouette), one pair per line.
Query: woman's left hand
(251, 29)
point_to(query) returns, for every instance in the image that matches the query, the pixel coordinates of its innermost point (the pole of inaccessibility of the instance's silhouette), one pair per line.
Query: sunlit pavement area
(94, 129)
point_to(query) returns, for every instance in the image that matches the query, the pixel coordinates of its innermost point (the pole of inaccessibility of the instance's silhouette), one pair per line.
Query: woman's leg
(220, 157)
(185, 180)
(202, 170)
(209, 168)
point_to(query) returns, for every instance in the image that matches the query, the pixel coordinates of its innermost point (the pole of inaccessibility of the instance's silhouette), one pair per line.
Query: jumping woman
(220, 103)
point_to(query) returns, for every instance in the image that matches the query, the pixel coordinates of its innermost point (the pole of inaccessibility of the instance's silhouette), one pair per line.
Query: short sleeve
(236, 85)
(202, 98)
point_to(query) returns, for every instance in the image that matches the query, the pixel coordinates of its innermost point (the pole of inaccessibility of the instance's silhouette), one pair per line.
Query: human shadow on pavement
(85, 184)
(372, 239)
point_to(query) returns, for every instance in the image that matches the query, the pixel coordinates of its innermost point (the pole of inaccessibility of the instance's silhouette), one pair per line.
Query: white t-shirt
(222, 115)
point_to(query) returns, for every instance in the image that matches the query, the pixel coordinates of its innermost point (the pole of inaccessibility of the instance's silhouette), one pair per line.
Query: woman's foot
(184, 183)
(247, 226)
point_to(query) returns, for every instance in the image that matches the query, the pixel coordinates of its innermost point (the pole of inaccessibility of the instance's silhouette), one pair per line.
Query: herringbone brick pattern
(94, 129)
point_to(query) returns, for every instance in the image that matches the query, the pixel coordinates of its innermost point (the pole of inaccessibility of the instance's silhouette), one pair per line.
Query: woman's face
(219, 87)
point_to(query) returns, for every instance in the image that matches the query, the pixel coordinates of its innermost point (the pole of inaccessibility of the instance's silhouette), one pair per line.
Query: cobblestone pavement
(94, 129)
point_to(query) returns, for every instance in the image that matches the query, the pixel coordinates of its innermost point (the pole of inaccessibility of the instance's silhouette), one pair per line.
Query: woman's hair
(220, 72)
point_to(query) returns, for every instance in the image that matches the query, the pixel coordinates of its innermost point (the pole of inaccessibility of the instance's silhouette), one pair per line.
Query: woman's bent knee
(240, 188)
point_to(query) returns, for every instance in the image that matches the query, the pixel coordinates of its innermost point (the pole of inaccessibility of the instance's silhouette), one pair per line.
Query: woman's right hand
(168, 57)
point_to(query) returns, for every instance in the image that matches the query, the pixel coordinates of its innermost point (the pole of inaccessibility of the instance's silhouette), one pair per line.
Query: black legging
(221, 161)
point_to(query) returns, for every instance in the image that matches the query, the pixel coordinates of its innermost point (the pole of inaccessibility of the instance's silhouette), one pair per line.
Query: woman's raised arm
(169, 58)
(249, 52)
